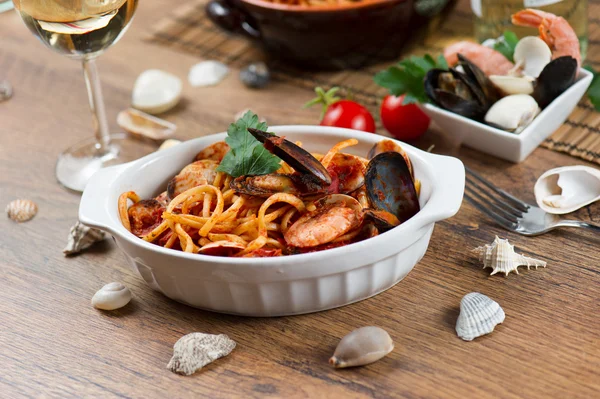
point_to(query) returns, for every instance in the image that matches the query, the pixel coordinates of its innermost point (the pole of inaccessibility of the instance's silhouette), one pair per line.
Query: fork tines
(494, 202)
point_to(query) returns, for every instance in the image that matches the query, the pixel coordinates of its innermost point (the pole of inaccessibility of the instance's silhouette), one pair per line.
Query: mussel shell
(383, 220)
(298, 158)
(390, 186)
(296, 184)
(471, 108)
(477, 76)
(555, 78)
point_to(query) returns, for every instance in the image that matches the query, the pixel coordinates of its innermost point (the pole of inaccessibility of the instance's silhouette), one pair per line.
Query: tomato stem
(326, 98)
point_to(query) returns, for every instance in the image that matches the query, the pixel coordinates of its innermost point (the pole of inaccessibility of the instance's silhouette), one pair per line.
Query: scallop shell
(194, 351)
(156, 91)
(478, 316)
(21, 210)
(143, 125)
(501, 257)
(362, 346)
(207, 73)
(564, 190)
(112, 296)
(82, 237)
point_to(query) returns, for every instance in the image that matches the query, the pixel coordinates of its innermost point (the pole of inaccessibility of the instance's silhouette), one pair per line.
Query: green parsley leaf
(594, 89)
(246, 155)
(407, 77)
(507, 44)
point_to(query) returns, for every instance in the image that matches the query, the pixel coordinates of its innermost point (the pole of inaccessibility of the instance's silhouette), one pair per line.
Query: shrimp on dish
(554, 30)
(490, 61)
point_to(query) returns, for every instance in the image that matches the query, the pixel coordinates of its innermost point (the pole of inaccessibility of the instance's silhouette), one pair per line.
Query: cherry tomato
(349, 114)
(404, 122)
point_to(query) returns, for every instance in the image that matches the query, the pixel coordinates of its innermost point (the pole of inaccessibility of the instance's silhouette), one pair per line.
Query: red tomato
(349, 114)
(404, 122)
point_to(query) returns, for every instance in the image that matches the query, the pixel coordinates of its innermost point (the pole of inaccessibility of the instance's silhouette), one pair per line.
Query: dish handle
(232, 18)
(93, 208)
(449, 189)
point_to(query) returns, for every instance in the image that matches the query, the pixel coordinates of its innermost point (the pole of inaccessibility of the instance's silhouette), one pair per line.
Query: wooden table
(54, 344)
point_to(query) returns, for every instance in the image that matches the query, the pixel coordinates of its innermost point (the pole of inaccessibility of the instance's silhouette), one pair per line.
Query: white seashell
(156, 91)
(194, 351)
(21, 210)
(501, 257)
(142, 125)
(513, 113)
(168, 144)
(82, 237)
(533, 54)
(512, 84)
(6, 90)
(207, 73)
(362, 346)
(564, 190)
(478, 316)
(112, 296)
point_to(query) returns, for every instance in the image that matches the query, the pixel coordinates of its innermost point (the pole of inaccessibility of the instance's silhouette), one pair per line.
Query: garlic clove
(362, 346)
(156, 91)
(112, 296)
(566, 189)
(512, 113)
(533, 54)
(512, 85)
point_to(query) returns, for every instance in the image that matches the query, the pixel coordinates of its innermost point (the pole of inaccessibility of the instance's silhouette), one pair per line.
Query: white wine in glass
(83, 29)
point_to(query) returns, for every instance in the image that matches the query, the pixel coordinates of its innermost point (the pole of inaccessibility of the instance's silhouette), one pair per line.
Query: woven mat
(188, 29)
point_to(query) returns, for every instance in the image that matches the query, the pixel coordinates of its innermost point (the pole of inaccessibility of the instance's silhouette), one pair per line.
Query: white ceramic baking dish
(506, 145)
(283, 285)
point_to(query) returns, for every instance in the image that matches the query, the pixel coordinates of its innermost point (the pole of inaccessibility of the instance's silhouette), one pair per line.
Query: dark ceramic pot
(350, 35)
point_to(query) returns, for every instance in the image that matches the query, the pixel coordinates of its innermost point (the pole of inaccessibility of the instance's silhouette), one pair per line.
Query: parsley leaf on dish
(247, 156)
(594, 90)
(407, 77)
(507, 44)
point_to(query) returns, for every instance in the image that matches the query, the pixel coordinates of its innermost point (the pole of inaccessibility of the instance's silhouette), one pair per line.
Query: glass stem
(92, 82)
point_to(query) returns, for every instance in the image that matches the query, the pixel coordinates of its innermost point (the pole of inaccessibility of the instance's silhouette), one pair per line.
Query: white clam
(479, 315)
(362, 346)
(112, 296)
(512, 84)
(532, 54)
(513, 113)
(194, 351)
(566, 189)
(143, 125)
(156, 91)
(207, 73)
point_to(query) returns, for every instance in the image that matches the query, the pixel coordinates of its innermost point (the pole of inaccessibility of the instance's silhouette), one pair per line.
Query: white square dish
(510, 146)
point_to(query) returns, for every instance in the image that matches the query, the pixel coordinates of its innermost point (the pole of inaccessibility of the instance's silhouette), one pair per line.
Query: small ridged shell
(501, 257)
(21, 210)
(478, 316)
(362, 346)
(82, 237)
(194, 351)
(112, 296)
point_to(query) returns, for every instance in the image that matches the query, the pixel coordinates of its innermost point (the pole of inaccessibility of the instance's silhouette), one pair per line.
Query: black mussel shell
(383, 220)
(390, 186)
(477, 76)
(555, 78)
(473, 107)
(298, 158)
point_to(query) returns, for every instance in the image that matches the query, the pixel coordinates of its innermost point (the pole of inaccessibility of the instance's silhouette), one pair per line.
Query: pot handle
(232, 18)
(94, 206)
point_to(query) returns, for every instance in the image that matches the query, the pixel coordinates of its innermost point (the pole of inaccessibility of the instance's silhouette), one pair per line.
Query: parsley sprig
(407, 77)
(246, 155)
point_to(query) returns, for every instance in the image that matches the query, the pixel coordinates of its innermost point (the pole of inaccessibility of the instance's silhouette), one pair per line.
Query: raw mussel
(555, 78)
(390, 187)
(464, 90)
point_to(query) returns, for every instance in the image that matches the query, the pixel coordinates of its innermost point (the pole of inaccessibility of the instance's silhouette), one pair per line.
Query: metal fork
(512, 213)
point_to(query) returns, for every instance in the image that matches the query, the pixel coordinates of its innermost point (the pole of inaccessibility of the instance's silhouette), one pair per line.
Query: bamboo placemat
(189, 30)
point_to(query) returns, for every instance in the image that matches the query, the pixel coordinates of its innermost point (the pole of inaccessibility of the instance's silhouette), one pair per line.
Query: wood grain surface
(54, 344)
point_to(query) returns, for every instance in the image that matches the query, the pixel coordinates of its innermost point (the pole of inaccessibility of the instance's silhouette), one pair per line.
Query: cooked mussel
(301, 185)
(390, 186)
(298, 158)
(387, 146)
(383, 220)
(464, 90)
(555, 78)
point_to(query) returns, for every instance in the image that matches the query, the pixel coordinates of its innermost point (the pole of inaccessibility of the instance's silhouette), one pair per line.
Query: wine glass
(82, 30)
